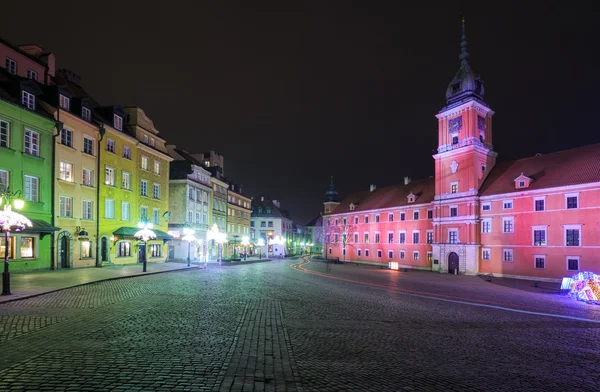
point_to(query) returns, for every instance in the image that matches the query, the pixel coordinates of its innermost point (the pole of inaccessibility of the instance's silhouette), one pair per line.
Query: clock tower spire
(465, 156)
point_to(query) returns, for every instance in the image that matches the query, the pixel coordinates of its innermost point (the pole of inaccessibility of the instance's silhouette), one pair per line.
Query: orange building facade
(536, 217)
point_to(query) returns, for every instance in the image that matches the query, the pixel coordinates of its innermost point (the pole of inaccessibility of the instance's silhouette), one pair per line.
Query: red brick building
(534, 217)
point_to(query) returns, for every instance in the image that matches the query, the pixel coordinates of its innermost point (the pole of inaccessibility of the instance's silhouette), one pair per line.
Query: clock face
(480, 123)
(455, 124)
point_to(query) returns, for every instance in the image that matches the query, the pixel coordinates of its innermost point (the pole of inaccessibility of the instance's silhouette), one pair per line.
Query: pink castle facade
(537, 217)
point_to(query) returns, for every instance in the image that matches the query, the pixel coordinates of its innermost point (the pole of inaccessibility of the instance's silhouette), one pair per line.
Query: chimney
(262, 198)
(372, 187)
(406, 180)
(276, 203)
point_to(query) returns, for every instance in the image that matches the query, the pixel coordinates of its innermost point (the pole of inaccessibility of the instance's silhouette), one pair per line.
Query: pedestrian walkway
(30, 284)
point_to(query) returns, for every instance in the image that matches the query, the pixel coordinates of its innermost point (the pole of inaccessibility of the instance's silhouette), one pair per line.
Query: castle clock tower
(464, 158)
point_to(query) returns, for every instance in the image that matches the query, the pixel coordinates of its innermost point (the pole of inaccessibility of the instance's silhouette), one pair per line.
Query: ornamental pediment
(523, 181)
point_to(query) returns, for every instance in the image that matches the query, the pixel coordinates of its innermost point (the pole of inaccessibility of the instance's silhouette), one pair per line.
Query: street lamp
(189, 238)
(260, 243)
(10, 220)
(144, 234)
(245, 243)
(219, 237)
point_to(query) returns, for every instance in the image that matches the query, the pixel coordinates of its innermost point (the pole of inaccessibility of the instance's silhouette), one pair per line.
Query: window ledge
(89, 186)
(66, 181)
(65, 217)
(67, 146)
(7, 148)
(88, 155)
(33, 156)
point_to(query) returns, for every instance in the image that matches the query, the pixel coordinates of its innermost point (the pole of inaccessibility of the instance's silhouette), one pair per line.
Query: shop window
(26, 247)
(155, 250)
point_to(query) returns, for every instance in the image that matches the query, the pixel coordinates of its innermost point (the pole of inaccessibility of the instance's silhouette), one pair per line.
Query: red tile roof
(568, 167)
(389, 196)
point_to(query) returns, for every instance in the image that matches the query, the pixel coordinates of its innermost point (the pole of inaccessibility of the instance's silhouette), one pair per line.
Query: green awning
(40, 226)
(129, 232)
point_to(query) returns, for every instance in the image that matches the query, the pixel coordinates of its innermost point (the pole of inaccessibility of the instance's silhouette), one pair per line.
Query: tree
(339, 232)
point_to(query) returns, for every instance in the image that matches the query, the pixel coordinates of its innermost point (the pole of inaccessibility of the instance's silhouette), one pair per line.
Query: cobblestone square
(269, 327)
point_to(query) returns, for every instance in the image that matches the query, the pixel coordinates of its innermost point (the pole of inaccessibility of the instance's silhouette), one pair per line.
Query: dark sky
(292, 92)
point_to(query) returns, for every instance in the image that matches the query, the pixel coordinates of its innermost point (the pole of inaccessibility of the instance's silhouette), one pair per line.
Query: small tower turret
(331, 198)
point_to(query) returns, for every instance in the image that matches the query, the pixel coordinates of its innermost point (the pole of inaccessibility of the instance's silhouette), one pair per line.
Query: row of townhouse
(89, 173)
(535, 217)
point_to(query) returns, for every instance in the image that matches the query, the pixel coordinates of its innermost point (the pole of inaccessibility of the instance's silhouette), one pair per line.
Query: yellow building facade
(239, 208)
(123, 201)
(75, 176)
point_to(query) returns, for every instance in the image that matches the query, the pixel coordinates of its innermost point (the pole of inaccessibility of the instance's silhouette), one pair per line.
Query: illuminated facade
(26, 137)
(533, 217)
(239, 208)
(190, 203)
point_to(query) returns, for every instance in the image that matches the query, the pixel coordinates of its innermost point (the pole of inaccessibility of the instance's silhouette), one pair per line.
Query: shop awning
(40, 226)
(129, 232)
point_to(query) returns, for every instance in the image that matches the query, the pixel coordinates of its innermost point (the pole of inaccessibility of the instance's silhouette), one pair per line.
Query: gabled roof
(389, 197)
(317, 221)
(568, 167)
(10, 86)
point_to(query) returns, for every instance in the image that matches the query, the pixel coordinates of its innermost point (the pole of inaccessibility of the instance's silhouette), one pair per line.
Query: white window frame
(390, 215)
(31, 74)
(5, 174)
(156, 216)
(573, 258)
(416, 255)
(144, 188)
(483, 222)
(545, 229)
(144, 162)
(126, 152)
(401, 214)
(390, 254)
(107, 203)
(144, 213)
(377, 237)
(86, 114)
(450, 211)
(156, 167)
(400, 232)
(377, 218)
(413, 236)
(118, 122)
(65, 171)
(484, 252)
(66, 137)
(109, 176)
(509, 251)
(125, 207)
(428, 211)
(355, 219)
(87, 206)
(429, 256)
(452, 185)
(28, 100)
(34, 185)
(379, 253)
(110, 146)
(356, 236)
(92, 141)
(4, 133)
(416, 215)
(535, 257)
(358, 253)
(11, 65)
(151, 142)
(576, 195)
(453, 231)
(402, 254)
(572, 227)
(506, 219)
(538, 198)
(365, 238)
(388, 239)
(488, 204)
(427, 232)
(145, 137)
(125, 180)
(512, 205)
(156, 191)
(67, 203)
(366, 252)
(64, 102)
(34, 142)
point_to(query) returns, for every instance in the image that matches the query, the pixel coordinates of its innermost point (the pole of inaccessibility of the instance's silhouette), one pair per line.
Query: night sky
(293, 92)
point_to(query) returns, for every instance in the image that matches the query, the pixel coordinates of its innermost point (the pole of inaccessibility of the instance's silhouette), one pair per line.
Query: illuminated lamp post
(245, 243)
(10, 220)
(189, 238)
(219, 237)
(260, 243)
(144, 234)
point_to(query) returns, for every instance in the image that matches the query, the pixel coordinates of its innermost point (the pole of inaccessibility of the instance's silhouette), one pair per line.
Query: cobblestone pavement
(270, 327)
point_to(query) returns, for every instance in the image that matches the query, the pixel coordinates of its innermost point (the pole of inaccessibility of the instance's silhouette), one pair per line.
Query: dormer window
(65, 102)
(411, 198)
(118, 122)
(145, 139)
(522, 182)
(11, 66)
(31, 74)
(28, 100)
(352, 206)
(152, 142)
(86, 114)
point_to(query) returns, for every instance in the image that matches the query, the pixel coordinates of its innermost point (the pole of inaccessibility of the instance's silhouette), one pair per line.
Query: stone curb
(95, 281)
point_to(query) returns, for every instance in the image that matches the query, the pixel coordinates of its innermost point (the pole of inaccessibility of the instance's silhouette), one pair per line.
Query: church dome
(465, 83)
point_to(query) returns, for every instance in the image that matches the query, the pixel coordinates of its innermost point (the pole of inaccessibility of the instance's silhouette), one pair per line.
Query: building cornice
(543, 191)
(451, 112)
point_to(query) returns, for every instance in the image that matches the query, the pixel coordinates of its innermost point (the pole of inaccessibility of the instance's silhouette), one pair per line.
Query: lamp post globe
(10, 220)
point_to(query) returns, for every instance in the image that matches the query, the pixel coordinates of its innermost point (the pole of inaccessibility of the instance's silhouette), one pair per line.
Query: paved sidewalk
(30, 284)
